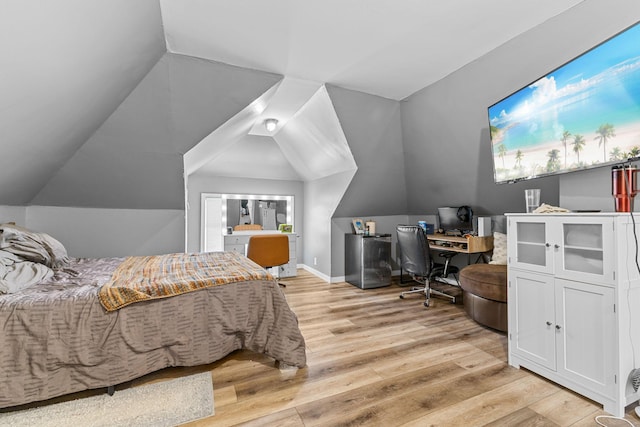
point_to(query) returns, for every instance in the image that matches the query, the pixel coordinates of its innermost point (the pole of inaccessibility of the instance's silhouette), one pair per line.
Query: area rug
(166, 403)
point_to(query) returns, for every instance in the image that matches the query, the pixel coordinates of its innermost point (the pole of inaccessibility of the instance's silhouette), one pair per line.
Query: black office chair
(416, 260)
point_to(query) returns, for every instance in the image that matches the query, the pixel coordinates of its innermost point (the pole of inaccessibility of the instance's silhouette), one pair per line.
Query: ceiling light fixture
(271, 124)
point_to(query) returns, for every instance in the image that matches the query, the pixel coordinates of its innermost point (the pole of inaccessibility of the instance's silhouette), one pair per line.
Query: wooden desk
(465, 245)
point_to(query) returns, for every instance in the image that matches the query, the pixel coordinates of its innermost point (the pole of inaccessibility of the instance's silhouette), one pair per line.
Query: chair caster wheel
(426, 304)
(401, 296)
(452, 301)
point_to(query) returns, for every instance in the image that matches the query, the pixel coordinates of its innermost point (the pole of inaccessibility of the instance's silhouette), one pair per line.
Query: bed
(59, 335)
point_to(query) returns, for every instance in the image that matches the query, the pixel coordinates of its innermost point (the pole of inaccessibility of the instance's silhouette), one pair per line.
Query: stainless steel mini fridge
(367, 262)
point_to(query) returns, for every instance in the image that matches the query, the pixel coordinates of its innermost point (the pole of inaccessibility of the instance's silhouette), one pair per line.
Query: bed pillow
(33, 246)
(57, 251)
(24, 244)
(499, 249)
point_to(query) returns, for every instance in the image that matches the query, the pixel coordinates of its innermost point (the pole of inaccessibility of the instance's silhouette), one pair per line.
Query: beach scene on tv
(584, 114)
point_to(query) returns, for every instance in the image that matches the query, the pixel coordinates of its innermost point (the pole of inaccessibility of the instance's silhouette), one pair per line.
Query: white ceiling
(389, 48)
(308, 143)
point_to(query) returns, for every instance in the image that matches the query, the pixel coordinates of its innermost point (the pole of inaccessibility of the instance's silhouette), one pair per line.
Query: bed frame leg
(111, 389)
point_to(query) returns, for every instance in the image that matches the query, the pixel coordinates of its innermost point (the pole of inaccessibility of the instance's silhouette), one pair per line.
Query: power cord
(635, 372)
(611, 418)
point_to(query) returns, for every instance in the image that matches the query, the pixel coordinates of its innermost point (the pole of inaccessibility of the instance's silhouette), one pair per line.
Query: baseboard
(316, 273)
(329, 279)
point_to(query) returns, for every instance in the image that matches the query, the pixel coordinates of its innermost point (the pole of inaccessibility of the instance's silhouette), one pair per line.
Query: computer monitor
(456, 221)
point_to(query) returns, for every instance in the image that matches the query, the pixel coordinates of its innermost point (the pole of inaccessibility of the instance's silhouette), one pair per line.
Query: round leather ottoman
(484, 294)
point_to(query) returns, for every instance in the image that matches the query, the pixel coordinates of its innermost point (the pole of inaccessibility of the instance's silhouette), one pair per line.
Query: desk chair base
(428, 291)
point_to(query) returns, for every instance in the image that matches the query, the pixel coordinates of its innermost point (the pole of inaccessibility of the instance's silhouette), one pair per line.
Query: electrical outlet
(315, 260)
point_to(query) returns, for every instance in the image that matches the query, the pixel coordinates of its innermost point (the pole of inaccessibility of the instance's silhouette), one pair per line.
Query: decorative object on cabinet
(358, 225)
(572, 296)
(285, 228)
(416, 260)
(624, 187)
(370, 227)
(545, 208)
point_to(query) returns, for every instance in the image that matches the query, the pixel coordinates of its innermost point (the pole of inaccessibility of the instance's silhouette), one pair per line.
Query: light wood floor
(377, 360)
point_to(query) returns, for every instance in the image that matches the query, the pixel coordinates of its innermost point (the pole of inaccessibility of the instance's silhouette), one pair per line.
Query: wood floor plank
(252, 404)
(400, 399)
(524, 417)
(564, 407)
(487, 407)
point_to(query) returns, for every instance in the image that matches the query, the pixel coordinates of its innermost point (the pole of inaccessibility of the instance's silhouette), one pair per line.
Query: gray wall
(588, 190)
(373, 130)
(134, 160)
(321, 200)
(445, 126)
(372, 126)
(98, 233)
(95, 233)
(17, 214)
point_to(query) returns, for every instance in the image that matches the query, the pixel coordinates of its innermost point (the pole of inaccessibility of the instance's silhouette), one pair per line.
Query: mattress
(58, 339)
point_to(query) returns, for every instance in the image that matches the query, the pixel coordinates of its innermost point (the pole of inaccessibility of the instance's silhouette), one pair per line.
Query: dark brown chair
(269, 250)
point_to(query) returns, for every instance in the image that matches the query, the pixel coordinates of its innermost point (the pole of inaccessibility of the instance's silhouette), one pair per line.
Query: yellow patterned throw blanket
(143, 278)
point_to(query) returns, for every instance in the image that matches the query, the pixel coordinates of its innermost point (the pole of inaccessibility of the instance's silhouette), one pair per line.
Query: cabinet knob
(548, 323)
(547, 244)
(556, 246)
(557, 327)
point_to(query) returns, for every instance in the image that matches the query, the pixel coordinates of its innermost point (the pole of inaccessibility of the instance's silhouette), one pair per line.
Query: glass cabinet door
(528, 245)
(586, 249)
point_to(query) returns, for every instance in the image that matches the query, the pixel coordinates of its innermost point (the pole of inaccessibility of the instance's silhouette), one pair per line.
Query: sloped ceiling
(252, 157)
(381, 47)
(308, 143)
(65, 67)
(134, 160)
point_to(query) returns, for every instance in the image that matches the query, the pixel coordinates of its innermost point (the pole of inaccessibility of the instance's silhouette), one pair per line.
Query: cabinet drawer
(234, 248)
(288, 270)
(234, 240)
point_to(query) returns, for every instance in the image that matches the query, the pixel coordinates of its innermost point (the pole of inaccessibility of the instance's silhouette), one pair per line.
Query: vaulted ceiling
(382, 47)
(98, 102)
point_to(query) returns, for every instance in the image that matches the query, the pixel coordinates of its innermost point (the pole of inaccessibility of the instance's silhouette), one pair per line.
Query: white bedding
(17, 274)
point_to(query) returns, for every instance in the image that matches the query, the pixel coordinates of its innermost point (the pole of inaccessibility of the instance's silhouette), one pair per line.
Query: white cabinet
(573, 289)
(239, 240)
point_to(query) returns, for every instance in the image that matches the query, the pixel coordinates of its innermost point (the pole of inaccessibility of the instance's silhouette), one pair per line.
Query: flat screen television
(583, 114)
